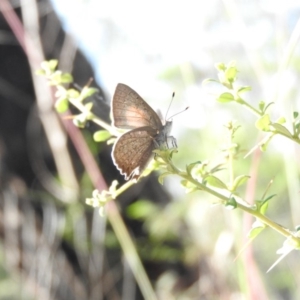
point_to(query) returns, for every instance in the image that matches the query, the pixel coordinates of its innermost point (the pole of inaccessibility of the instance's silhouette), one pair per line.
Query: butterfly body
(134, 149)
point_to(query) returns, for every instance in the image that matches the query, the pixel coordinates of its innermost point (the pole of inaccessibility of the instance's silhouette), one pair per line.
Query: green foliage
(225, 97)
(55, 78)
(215, 182)
(62, 105)
(263, 123)
(257, 228)
(216, 179)
(141, 209)
(262, 205)
(231, 203)
(101, 135)
(65, 96)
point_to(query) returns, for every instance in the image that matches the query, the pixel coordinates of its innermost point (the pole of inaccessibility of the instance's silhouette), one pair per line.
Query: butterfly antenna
(173, 95)
(179, 112)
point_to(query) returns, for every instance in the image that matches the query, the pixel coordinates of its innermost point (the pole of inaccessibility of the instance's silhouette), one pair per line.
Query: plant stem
(265, 220)
(254, 110)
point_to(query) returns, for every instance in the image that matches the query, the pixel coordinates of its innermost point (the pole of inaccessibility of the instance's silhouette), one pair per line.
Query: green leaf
(49, 66)
(261, 106)
(72, 93)
(282, 130)
(225, 97)
(269, 198)
(191, 166)
(244, 89)
(56, 78)
(141, 209)
(52, 63)
(88, 91)
(101, 135)
(257, 228)
(230, 74)
(231, 203)
(189, 187)
(162, 176)
(208, 80)
(220, 66)
(165, 153)
(215, 181)
(61, 105)
(295, 114)
(281, 120)
(263, 123)
(262, 205)
(66, 78)
(238, 181)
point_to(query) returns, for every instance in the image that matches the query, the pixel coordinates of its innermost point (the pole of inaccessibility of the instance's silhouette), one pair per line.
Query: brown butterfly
(134, 149)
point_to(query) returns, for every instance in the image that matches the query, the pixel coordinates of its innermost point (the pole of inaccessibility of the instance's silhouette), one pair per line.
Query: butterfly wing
(130, 111)
(133, 150)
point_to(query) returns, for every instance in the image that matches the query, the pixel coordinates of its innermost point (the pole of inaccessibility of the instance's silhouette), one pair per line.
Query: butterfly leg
(171, 142)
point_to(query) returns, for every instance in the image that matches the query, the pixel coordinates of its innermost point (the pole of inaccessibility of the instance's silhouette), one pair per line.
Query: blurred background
(54, 246)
